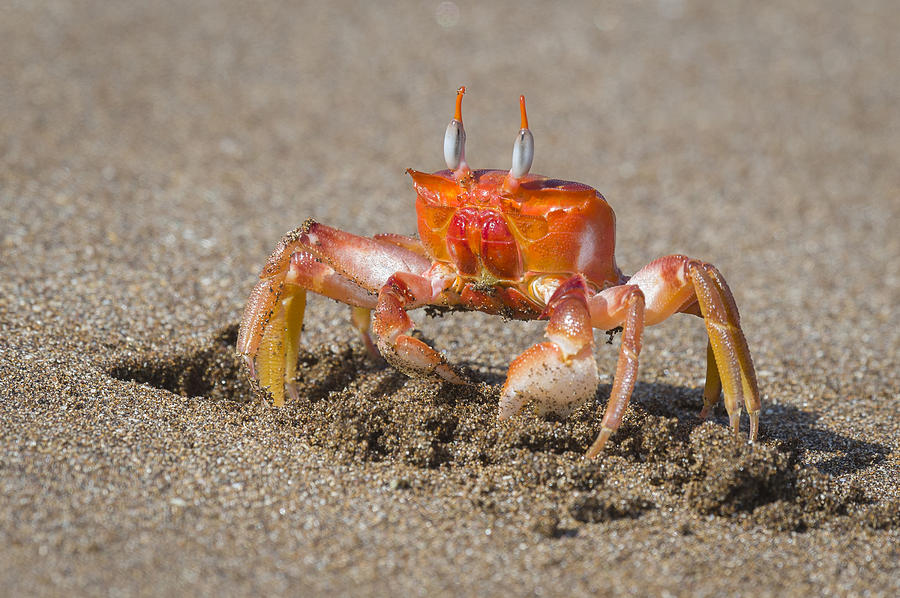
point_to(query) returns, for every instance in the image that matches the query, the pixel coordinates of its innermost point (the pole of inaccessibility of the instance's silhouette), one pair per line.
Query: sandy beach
(151, 156)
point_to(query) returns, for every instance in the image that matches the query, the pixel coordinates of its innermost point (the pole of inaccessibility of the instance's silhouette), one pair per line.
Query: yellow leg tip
(754, 425)
(735, 420)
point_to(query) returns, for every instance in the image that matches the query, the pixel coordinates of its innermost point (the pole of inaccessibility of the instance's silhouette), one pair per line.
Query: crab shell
(491, 233)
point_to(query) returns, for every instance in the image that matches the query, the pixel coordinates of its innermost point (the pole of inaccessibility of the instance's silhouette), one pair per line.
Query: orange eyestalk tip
(459, 95)
(522, 110)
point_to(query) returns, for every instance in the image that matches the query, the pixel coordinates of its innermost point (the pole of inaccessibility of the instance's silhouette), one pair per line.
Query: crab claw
(559, 375)
(556, 382)
(417, 360)
(392, 326)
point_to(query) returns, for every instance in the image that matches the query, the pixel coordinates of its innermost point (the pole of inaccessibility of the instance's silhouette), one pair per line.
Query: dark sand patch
(357, 411)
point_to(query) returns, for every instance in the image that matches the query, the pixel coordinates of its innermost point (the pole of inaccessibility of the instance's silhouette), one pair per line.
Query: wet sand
(152, 155)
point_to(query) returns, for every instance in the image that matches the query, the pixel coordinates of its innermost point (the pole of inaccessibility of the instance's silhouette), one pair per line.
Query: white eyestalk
(523, 151)
(454, 144)
(523, 154)
(455, 141)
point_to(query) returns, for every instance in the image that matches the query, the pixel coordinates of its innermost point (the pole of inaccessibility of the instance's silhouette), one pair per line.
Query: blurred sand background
(152, 153)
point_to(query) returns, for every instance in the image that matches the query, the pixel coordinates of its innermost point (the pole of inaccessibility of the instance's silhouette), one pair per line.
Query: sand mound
(661, 457)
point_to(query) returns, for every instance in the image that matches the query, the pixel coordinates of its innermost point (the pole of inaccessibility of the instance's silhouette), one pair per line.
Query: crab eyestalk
(455, 141)
(523, 152)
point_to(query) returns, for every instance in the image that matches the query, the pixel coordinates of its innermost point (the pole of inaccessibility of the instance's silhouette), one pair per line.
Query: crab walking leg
(326, 261)
(748, 372)
(264, 298)
(623, 306)
(676, 283)
(722, 332)
(713, 388)
(362, 321)
(559, 374)
(367, 262)
(391, 326)
(410, 243)
(273, 320)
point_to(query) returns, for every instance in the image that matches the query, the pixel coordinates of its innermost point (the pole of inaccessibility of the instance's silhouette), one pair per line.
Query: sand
(152, 154)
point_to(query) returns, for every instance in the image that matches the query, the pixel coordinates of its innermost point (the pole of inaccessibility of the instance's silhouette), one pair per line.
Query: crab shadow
(784, 423)
(790, 424)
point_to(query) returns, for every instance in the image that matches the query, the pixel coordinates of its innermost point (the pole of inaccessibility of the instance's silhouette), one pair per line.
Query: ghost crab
(503, 242)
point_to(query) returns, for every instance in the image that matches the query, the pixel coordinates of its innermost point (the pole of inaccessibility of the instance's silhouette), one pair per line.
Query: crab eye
(454, 144)
(523, 148)
(523, 154)
(455, 137)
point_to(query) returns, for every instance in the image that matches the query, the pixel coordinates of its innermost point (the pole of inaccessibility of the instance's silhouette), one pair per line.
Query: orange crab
(520, 245)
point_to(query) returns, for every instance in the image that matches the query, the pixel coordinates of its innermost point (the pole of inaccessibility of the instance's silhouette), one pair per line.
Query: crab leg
(367, 262)
(721, 339)
(713, 388)
(392, 324)
(619, 306)
(748, 371)
(410, 243)
(561, 373)
(323, 260)
(679, 284)
(728, 342)
(274, 318)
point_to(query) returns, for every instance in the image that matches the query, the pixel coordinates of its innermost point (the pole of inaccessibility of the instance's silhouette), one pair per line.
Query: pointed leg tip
(292, 391)
(448, 374)
(754, 425)
(371, 350)
(599, 443)
(734, 419)
(251, 365)
(277, 398)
